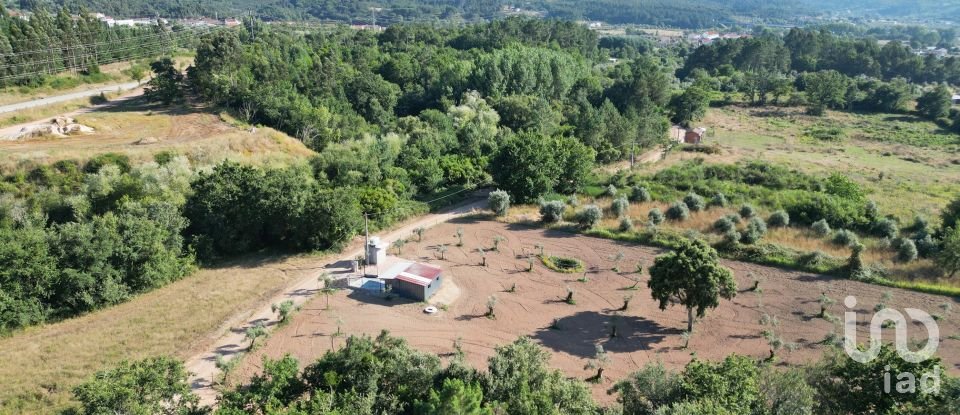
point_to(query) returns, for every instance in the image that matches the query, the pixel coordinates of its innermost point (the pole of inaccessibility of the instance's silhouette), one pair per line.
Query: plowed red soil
(645, 333)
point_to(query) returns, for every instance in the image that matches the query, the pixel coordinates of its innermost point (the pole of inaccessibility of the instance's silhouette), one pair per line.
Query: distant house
(684, 136)
(415, 281)
(694, 136)
(231, 22)
(956, 99)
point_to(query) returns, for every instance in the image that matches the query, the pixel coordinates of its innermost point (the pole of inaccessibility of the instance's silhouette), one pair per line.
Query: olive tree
(692, 277)
(949, 258)
(589, 216)
(552, 211)
(499, 202)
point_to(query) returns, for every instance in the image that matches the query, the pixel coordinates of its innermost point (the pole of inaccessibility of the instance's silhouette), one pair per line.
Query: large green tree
(691, 276)
(949, 257)
(167, 83)
(690, 106)
(935, 103)
(825, 89)
(526, 166)
(454, 398)
(151, 386)
(852, 387)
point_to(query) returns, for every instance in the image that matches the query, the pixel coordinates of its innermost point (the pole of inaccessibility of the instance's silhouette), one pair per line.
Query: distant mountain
(676, 13)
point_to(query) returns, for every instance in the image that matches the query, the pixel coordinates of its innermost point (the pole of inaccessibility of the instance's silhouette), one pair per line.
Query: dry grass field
(40, 365)
(896, 158)
(116, 73)
(645, 333)
(140, 131)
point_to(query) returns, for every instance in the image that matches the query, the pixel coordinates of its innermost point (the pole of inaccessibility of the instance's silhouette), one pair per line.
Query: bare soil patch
(645, 333)
(140, 130)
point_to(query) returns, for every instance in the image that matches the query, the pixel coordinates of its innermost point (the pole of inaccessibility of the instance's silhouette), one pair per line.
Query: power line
(81, 60)
(86, 45)
(91, 53)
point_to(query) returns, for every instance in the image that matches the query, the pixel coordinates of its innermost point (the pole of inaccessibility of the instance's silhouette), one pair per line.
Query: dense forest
(48, 44)
(803, 50)
(383, 375)
(677, 13)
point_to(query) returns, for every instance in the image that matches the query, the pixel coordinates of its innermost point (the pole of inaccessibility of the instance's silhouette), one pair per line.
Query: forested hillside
(48, 44)
(678, 13)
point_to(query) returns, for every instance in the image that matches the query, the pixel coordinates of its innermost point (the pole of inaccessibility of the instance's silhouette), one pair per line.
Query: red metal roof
(415, 281)
(429, 272)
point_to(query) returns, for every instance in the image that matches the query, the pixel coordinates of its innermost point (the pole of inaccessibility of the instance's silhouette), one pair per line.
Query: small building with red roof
(413, 280)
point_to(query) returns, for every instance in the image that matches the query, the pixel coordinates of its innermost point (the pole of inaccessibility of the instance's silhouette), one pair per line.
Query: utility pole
(366, 243)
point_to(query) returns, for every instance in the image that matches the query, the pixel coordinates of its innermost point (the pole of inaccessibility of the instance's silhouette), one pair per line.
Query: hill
(675, 13)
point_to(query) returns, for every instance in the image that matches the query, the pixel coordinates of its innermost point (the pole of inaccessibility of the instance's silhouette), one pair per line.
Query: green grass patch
(825, 133)
(923, 287)
(902, 129)
(562, 264)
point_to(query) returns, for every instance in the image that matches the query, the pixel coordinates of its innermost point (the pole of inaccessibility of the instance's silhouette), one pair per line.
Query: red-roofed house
(413, 280)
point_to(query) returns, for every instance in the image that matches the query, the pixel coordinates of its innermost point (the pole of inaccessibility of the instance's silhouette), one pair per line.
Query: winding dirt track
(645, 333)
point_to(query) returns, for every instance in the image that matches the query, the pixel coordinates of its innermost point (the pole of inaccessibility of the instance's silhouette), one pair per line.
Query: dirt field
(645, 333)
(140, 130)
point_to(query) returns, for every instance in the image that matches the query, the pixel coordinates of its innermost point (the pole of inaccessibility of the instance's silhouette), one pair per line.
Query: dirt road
(39, 102)
(231, 339)
(14, 132)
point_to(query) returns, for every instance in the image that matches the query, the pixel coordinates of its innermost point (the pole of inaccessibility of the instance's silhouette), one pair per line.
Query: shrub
(99, 99)
(626, 224)
(731, 237)
(871, 211)
(640, 194)
(844, 237)
(718, 200)
(694, 202)
(655, 216)
(920, 224)
(779, 219)
(610, 191)
(499, 202)
(907, 251)
(824, 133)
(886, 243)
(755, 230)
(927, 246)
(589, 216)
(747, 211)
(813, 259)
(552, 211)
(573, 201)
(885, 228)
(562, 264)
(821, 228)
(619, 207)
(855, 268)
(724, 225)
(678, 211)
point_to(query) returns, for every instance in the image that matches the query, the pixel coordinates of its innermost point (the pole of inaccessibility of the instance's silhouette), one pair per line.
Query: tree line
(384, 375)
(47, 44)
(77, 237)
(806, 50)
(452, 97)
